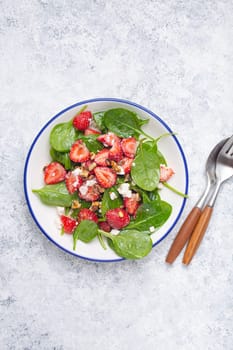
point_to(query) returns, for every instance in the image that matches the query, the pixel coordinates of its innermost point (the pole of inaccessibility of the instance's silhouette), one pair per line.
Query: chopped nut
(92, 166)
(137, 197)
(115, 166)
(84, 172)
(92, 155)
(90, 177)
(100, 189)
(121, 214)
(127, 177)
(75, 204)
(95, 206)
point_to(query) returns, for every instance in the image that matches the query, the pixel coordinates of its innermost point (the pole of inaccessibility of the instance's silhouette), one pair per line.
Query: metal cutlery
(223, 171)
(193, 217)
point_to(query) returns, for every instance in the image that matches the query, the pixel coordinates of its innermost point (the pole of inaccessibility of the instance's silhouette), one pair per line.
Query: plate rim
(103, 99)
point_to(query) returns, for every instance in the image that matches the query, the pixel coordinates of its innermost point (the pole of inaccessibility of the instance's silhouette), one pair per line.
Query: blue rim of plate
(100, 99)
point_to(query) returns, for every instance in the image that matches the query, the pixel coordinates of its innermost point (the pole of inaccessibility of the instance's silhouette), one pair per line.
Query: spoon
(193, 217)
(224, 170)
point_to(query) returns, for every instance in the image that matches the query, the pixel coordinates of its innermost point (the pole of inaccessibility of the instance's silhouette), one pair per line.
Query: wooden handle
(197, 235)
(183, 234)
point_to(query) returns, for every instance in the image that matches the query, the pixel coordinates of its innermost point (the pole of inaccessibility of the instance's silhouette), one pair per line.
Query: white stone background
(174, 57)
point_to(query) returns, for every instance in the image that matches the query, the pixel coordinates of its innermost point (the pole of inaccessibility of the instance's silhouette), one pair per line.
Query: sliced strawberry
(87, 214)
(82, 120)
(79, 152)
(91, 132)
(102, 156)
(89, 191)
(106, 177)
(126, 164)
(165, 173)
(129, 147)
(117, 218)
(105, 226)
(108, 139)
(131, 204)
(73, 182)
(54, 173)
(115, 153)
(68, 223)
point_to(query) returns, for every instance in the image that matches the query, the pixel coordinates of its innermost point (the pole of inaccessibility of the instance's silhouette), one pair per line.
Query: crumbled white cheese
(114, 232)
(133, 164)
(112, 195)
(121, 170)
(160, 186)
(60, 210)
(77, 171)
(84, 188)
(58, 223)
(124, 190)
(152, 229)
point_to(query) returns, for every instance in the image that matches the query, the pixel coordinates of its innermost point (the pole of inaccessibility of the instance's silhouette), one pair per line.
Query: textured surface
(175, 58)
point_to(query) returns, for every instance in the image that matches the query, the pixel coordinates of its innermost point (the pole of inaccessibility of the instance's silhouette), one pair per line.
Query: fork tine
(227, 146)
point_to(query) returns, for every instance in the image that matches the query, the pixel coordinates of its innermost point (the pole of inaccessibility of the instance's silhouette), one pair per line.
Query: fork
(224, 170)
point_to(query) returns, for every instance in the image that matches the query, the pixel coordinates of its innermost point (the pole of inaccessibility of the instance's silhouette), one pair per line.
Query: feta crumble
(152, 229)
(112, 195)
(84, 188)
(124, 190)
(114, 232)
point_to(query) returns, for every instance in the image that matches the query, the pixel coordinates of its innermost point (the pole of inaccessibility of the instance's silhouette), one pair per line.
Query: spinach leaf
(62, 158)
(56, 195)
(122, 122)
(62, 136)
(146, 166)
(99, 120)
(132, 244)
(162, 160)
(153, 214)
(92, 144)
(108, 203)
(85, 231)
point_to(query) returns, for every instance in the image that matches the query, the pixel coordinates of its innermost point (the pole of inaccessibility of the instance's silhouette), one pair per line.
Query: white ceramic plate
(46, 217)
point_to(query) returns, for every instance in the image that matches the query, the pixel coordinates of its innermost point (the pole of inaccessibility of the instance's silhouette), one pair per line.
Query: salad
(105, 176)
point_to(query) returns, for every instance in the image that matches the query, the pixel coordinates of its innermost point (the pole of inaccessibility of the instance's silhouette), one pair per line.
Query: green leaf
(62, 158)
(161, 158)
(56, 195)
(99, 120)
(122, 122)
(86, 231)
(145, 171)
(108, 203)
(62, 137)
(132, 244)
(153, 214)
(92, 144)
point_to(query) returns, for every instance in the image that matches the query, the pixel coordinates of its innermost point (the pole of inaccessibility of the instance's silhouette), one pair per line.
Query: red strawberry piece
(89, 191)
(131, 204)
(117, 218)
(73, 182)
(79, 152)
(115, 153)
(126, 164)
(87, 214)
(165, 173)
(82, 120)
(106, 177)
(105, 226)
(91, 132)
(68, 223)
(101, 157)
(54, 173)
(129, 147)
(108, 139)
